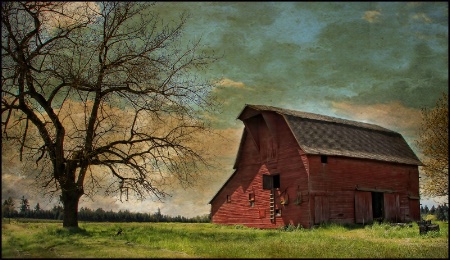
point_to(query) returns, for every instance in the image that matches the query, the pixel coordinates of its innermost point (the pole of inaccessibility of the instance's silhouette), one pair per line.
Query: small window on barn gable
(276, 181)
(251, 199)
(278, 212)
(228, 198)
(271, 181)
(324, 159)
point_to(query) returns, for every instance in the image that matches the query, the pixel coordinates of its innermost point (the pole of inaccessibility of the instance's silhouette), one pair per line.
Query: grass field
(179, 240)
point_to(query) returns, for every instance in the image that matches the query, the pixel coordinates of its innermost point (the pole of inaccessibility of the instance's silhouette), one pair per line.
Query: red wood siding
(363, 207)
(322, 209)
(341, 177)
(414, 210)
(275, 158)
(392, 207)
(317, 192)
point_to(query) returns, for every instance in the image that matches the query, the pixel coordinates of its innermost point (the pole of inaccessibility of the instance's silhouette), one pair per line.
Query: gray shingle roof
(319, 134)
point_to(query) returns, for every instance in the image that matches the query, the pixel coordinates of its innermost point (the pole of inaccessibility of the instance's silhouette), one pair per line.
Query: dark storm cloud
(298, 53)
(418, 86)
(377, 62)
(343, 51)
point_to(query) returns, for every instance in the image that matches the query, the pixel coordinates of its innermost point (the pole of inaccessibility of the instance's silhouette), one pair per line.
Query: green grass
(197, 240)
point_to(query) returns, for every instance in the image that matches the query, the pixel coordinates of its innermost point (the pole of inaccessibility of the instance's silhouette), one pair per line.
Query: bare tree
(104, 95)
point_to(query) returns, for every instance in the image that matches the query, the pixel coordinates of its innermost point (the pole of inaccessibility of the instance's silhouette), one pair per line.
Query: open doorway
(370, 206)
(377, 206)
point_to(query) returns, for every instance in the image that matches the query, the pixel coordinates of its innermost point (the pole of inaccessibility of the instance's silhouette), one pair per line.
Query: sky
(374, 62)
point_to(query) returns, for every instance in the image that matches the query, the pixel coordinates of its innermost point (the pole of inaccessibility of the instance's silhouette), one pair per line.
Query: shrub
(239, 227)
(291, 227)
(430, 217)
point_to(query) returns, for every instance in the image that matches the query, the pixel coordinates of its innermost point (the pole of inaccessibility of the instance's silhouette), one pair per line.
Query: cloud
(64, 15)
(191, 201)
(16, 185)
(371, 16)
(18, 180)
(230, 83)
(422, 17)
(393, 115)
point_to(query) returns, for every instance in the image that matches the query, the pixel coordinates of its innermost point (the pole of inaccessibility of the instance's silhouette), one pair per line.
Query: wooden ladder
(272, 206)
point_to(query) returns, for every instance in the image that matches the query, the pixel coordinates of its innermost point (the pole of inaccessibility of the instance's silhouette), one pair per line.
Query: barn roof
(319, 134)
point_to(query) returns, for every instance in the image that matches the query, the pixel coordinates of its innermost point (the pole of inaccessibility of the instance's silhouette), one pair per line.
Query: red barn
(301, 168)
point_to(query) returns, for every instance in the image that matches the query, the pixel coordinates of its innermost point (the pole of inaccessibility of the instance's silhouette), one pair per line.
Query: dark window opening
(276, 181)
(324, 159)
(377, 205)
(228, 198)
(267, 182)
(271, 182)
(278, 212)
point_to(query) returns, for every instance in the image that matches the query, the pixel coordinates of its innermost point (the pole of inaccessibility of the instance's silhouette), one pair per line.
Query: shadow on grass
(71, 231)
(290, 228)
(346, 226)
(353, 226)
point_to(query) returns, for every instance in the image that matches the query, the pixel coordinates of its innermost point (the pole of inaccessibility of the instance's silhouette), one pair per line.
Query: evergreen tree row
(441, 211)
(9, 210)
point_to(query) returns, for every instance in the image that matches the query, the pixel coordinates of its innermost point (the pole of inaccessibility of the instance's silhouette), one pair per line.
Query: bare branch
(105, 86)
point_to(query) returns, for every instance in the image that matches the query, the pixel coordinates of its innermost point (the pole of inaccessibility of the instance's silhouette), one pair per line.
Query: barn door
(414, 209)
(322, 209)
(363, 207)
(392, 207)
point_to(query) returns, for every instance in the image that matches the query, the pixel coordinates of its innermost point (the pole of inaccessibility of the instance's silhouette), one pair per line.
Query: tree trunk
(70, 194)
(70, 199)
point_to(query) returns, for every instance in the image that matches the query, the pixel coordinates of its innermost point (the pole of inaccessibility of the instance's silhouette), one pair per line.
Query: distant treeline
(441, 211)
(9, 210)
